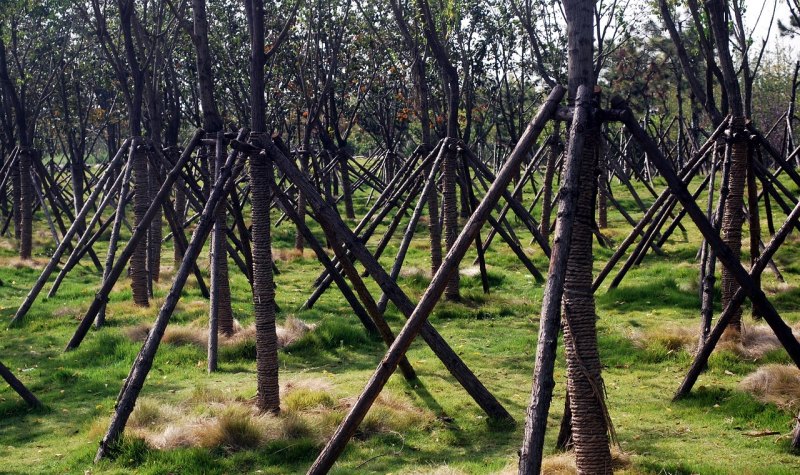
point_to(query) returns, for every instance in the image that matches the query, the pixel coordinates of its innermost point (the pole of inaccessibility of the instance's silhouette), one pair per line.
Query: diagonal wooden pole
(73, 229)
(419, 317)
(701, 357)
(724, 253)
(530, 458)
(126, 400)
(138, 233)
(17, 386)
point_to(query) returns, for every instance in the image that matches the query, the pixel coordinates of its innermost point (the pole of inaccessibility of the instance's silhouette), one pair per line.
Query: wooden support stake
(73, 229)
(347, 428)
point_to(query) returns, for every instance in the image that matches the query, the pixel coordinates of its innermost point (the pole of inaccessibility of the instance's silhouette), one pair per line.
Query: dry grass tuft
(211, 418)
(186, 335)
(392, 414)
(236, 428)
(671, 337)
(440, 470)
(312, 384)
(564, 463)
(137, 332)
(689, 285)
(415, 272)
(146, 414)
(286, 254)
(292, 330)
(471, 271)
(776, 384)
(302, 399)
(774, 287)
(67, 311)
(203, 394)
(753, 343)
(32, 263)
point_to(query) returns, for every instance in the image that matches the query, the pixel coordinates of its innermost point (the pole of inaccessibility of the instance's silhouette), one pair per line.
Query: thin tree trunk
(450, 210)
(301, 202)
(141, 201)
(733, 218)
(156, 228)
(25, 204)
(549, 172)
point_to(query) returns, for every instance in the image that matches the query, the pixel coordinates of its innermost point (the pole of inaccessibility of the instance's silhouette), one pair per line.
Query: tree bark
(585, 385)
(141, 202)
(450, 209)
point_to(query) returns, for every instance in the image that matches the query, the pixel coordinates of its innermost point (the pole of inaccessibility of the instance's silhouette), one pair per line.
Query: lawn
(426, 426)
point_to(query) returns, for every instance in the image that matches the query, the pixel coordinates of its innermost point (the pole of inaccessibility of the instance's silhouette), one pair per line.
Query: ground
(713, 431)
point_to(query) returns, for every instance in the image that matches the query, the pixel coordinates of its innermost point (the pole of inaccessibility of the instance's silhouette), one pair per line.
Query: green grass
(495, 334)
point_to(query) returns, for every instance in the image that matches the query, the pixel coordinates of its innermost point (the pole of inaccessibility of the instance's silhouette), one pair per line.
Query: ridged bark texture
(25, 204)
(220, 284)
(755, 220)
(180, 211)
(16, 198)
(299, 242)
(267, 398)
(154, 236)
(547, 193)
(585, 384)
(734, 216)
(141, 201)
(434, 231)
(347, 188)
(450, 210)
(602, 186)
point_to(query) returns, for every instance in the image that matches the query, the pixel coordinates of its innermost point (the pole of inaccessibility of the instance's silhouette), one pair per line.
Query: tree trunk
(180, 212)
(25, 203)
(219, 254)
(549, 173)
(347, 189)
(263, 290)
(299, 242)
(590, 431)
(16, 200)
(141, 201)
(434, 230)
(450, 210)
(156, 226)
(585, 385)
(734, 216)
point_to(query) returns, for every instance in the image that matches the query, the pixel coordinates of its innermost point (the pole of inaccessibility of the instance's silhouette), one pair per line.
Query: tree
(584, 382)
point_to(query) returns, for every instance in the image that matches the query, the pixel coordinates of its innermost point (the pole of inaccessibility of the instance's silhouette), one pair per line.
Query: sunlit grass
(647, 327)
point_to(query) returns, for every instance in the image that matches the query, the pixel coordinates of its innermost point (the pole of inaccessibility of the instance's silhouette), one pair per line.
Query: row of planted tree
(442, 98)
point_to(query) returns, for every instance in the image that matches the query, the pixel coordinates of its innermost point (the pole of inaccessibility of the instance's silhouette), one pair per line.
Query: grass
(646, 327)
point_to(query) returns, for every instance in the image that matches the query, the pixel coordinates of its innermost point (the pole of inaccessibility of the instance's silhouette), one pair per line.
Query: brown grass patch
(211, 418)
(775, 384)
(286, 254)
(564, 463)
(774, 287)
(440, 470)
(671, 337)
(32, 263)
(471, 271)
(415, 272)
(67, 311)
(292, 330)
(754, 342)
